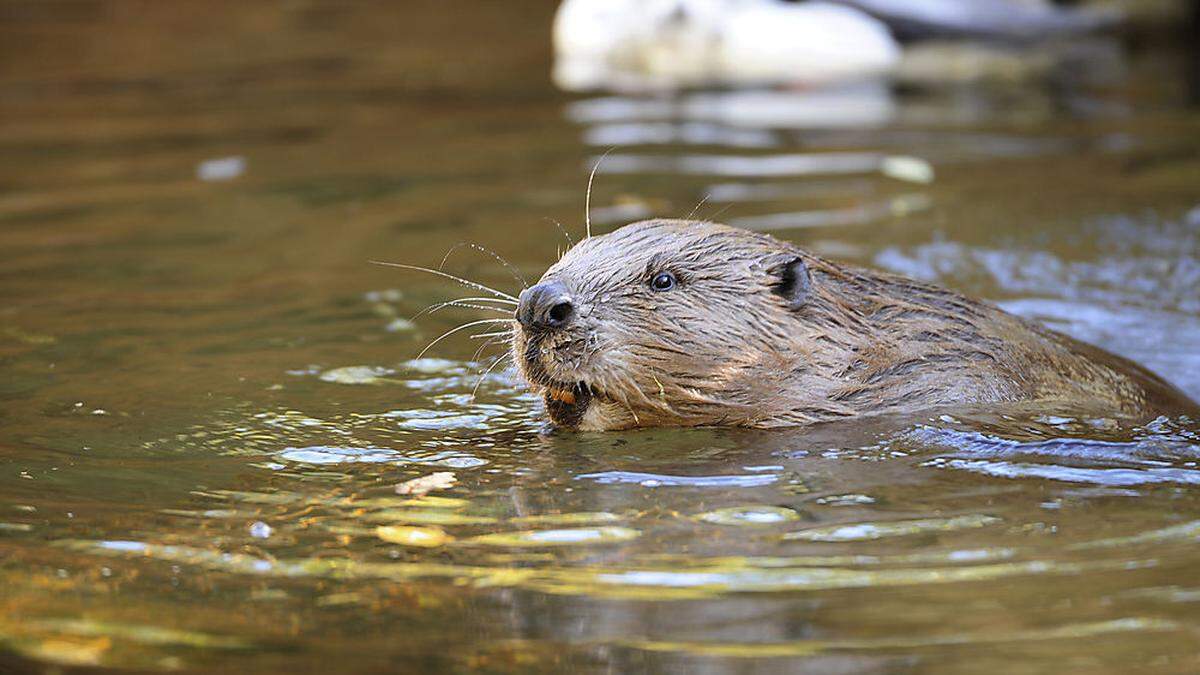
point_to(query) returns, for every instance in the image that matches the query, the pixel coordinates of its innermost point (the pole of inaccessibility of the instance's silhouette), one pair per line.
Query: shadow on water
(210, 397)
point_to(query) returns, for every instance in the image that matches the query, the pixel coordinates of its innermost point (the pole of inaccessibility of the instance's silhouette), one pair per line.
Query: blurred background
(207, 394)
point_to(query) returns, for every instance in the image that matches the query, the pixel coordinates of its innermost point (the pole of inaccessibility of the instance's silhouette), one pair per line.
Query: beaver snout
(545, 306)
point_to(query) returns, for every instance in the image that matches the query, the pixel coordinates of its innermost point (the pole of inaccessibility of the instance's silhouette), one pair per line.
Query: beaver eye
(664, 281)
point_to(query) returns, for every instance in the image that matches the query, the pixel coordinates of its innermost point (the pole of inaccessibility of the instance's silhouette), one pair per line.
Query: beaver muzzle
(545, 311)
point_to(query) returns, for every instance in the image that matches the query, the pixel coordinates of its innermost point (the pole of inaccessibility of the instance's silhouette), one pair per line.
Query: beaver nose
(545, 305)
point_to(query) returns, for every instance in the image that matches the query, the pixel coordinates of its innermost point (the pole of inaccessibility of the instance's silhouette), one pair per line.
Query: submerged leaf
(425, 537)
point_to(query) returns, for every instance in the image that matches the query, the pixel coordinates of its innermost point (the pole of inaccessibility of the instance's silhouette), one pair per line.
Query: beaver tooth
(562, 395)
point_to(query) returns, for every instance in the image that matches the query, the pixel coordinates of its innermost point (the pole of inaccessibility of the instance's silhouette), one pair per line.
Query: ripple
(860, 214)
(1184, 532)
(1071, 474)
(564, 537)
(749, 515)
(578, 518)
(714, 577)
(324, 454)
(665, 480)
(1147, 447)
(809, 647)
(143, 634)
(1159, 452)
(428, 517)
(900, 528)
(845, 500)
(432, 366)
(439, 420)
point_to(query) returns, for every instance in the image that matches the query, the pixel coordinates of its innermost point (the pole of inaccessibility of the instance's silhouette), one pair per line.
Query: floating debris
(442, 480)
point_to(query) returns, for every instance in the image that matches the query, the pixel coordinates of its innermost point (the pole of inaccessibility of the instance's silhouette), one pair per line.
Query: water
(209, 394)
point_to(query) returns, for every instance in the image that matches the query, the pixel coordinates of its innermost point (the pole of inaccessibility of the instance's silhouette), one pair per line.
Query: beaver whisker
(587, 198)
(501, 301)
(570, 240)
(461, 302)
(485, 345)
(503, 333)
(492, 367)
(483, 249)
(465, 282)
(468, 305)
(698, 205)
(464, 326)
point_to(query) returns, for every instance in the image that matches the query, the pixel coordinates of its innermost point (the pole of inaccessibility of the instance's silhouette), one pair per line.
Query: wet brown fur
(726, 348)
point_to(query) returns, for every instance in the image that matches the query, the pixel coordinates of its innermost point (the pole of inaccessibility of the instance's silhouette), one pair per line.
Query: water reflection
(624, 547)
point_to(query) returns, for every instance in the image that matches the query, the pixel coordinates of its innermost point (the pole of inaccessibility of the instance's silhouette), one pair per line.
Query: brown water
(190, 479)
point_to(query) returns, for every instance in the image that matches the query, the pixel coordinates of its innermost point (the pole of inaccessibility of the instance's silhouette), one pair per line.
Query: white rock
(667, 44)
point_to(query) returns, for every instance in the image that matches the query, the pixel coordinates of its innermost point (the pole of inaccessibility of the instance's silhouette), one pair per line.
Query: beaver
(687, 323)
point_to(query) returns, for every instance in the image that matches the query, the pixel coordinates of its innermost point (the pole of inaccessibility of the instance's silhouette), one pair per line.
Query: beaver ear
(792, 281)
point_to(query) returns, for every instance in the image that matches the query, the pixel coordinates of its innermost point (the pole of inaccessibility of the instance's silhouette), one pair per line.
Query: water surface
(209, 395)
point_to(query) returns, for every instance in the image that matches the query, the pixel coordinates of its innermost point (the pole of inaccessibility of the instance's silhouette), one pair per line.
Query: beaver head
(680, 323)
(663, 322)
